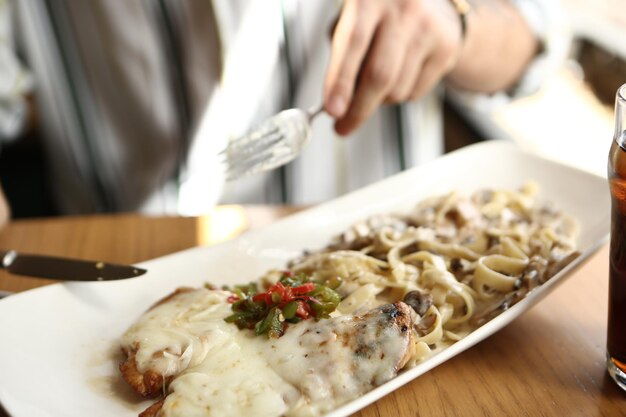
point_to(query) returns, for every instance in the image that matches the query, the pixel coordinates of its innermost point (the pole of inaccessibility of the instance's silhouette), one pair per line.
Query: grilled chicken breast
(334, 361)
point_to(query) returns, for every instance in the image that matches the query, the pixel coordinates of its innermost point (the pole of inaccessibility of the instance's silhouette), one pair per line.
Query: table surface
(548, 362)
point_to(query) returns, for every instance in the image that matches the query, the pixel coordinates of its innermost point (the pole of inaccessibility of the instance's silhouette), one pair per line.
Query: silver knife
(67, 269)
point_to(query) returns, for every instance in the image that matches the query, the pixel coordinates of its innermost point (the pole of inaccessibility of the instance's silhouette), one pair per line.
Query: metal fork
(273, 143)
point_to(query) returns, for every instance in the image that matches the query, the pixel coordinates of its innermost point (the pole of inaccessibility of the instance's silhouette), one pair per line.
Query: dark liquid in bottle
(616, 336)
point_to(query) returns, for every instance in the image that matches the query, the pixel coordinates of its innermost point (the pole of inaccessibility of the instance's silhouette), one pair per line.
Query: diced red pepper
(309, 298)
(265, 297)
(280, 295)
(255, 310)
(303, 289)
(303, 311)
(277, 288)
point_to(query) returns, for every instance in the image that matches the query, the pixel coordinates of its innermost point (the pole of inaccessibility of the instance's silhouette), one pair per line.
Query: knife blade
(66, 269)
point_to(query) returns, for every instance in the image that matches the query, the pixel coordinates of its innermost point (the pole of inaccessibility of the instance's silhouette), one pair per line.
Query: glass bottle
(616, 330)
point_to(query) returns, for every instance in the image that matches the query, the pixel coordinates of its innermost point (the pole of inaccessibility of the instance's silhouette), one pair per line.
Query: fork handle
(314, 111)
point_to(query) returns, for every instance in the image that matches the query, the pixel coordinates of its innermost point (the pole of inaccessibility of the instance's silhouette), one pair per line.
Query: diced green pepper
(292, 299)
(289, 311)
(271, 324)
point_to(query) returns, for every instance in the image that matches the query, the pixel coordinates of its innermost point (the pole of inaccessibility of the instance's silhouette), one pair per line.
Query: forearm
(497, 48)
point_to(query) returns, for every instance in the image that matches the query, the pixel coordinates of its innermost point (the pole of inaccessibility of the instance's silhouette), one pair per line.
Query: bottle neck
(620, 117)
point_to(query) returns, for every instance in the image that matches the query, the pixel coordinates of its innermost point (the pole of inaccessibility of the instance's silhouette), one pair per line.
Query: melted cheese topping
(231, 381)
(221, 374)
(334, 361)
(223, 371)
(172, 335)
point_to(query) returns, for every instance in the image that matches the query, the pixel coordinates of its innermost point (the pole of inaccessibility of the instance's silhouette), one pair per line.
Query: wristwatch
(463, 8)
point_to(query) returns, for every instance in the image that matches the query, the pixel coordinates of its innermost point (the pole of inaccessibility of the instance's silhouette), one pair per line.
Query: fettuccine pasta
(457, 260)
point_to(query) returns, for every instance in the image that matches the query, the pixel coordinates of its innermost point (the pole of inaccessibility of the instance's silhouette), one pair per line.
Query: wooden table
(549, 362)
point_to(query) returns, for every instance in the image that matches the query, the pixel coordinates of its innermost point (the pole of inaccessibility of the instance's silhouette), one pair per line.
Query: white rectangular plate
(57, 342)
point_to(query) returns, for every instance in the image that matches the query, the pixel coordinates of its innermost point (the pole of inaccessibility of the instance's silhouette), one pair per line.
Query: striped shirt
(137, 97)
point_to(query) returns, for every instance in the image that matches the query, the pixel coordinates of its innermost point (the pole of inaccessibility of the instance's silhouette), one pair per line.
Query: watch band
(463, 8)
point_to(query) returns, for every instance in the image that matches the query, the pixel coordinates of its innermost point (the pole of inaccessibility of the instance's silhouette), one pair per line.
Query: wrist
(460, 10)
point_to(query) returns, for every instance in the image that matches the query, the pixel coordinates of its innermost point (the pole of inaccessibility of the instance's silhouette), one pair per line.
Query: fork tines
(249, 153)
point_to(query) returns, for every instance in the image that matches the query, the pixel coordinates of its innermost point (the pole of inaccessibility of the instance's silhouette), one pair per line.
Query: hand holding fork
(382, 52)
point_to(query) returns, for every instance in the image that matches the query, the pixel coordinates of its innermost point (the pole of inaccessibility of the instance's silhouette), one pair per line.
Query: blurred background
(570, 119)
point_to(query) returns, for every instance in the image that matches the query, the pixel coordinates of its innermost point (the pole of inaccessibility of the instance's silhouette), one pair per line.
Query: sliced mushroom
(418, 301)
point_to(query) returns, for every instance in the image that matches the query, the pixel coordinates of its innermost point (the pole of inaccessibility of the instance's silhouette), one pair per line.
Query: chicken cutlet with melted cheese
(184, 348)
